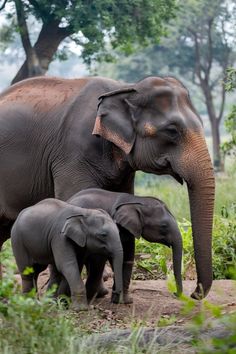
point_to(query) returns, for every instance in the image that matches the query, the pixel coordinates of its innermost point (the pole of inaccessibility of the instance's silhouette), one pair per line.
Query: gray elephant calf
(135, 216)
(57, 233)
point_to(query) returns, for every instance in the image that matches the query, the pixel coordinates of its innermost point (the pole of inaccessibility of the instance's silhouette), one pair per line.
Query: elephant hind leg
(27, 283)
(54, 278)
(38, 268)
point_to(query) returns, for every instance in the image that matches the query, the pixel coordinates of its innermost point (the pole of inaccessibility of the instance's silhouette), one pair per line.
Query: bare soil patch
(152, 304)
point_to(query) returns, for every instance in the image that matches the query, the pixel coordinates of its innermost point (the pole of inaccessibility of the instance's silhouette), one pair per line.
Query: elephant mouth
(178, 178)
(163, 166)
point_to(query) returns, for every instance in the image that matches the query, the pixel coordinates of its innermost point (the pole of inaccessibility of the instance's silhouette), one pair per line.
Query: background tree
(204, 39)
(229, 147)
(199, 47)
(88, 23)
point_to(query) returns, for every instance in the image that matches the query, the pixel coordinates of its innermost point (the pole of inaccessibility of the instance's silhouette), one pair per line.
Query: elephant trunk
(117, 261)
(177, 248)
(201, 189)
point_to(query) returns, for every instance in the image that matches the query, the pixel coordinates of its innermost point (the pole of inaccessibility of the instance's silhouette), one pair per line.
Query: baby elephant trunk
(177, 249)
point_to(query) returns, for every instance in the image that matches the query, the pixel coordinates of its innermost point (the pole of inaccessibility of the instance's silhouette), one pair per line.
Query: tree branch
(198, 66)
(222, 105)
(44, 14)
(24, 33)
(215, 81)
(210, 55)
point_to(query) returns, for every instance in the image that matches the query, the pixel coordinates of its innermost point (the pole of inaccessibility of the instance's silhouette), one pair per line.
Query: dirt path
(152, 304)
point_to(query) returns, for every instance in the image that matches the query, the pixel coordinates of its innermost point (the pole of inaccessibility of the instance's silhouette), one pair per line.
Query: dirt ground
(152, 305)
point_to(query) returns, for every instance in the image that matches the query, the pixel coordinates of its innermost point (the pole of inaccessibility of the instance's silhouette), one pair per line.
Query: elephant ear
(73, 229)
(114, 119)
(129, 216)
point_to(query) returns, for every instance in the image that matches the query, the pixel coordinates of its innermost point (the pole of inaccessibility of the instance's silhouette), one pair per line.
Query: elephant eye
(163, 229)
(102, 234)
(172, 131)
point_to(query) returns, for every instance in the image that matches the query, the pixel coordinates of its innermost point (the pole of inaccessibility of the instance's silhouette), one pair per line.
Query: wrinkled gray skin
(56, 141)
(135, 216)
(54, 232)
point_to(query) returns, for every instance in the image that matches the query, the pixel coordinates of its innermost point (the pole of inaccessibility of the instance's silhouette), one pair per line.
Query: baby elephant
(135, 216)
(58, 233)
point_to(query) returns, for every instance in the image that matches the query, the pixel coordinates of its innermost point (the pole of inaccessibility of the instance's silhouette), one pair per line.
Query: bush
(28, 325)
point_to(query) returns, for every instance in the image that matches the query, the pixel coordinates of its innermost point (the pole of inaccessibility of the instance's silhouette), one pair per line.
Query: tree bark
(215, 126)
(51, 35)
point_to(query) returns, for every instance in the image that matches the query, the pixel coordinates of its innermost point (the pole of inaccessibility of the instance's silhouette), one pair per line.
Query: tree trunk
(215, 131)
(50, 37)
(215, 127)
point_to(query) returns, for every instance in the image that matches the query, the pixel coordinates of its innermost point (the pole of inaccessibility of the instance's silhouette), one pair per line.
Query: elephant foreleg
(94, 284)
(128, 243)
(69, 268)
(77, 288)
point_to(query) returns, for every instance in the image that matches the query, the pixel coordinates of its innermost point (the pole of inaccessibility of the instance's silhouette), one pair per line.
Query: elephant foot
(127, 299)
(121, 299)
(102, 292)
(116, 298)
(79, 303)
(79, 307)
(199, 294)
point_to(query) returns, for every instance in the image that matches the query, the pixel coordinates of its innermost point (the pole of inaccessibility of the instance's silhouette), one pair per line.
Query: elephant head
(150, 218)
(95, 230)
(156, 126)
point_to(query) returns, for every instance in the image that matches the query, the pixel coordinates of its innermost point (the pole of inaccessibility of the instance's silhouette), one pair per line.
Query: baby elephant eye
(102, 234)
(163, 229)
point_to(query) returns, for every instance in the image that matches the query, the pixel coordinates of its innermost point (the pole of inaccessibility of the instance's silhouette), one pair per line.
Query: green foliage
(224, 244)
(229, 147)
(91, 24)
(28, 325)
(177, 52)
(221, 345)
(205, 316)
(230, 81)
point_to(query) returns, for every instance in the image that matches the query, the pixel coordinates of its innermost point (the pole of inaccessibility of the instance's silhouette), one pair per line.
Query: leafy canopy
(91, 24)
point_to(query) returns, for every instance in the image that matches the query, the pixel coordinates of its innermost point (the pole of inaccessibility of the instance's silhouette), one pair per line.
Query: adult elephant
(49, 146)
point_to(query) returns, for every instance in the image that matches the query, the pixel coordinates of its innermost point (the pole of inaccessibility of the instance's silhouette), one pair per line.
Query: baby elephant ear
(72, 229)
(128, 216)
